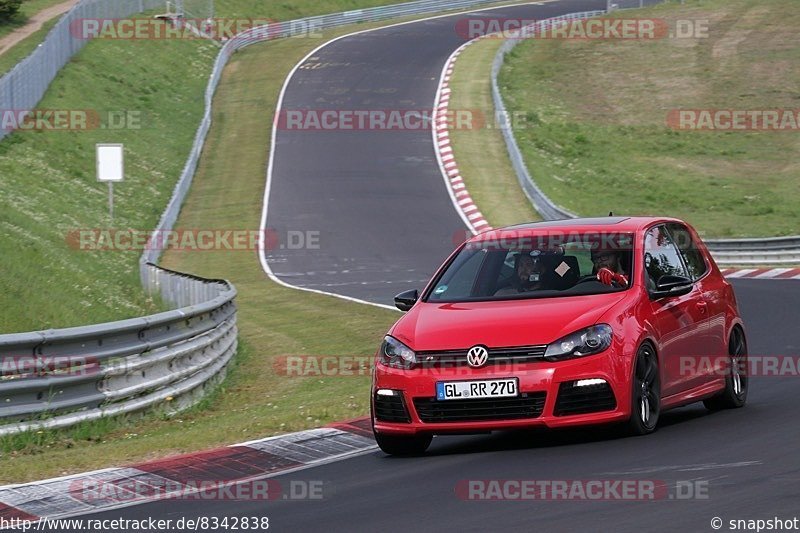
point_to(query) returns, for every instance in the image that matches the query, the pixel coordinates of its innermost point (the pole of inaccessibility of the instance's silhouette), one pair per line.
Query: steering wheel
(587, 278)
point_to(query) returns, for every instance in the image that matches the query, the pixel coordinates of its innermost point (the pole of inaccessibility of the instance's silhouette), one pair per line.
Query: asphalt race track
(386, 222)
(748, 457)
(377, 198)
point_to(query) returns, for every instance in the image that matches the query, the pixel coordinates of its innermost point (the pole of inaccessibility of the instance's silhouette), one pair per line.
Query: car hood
(451, 326)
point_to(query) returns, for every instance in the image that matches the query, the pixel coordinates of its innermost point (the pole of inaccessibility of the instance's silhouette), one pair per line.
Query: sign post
(110, 168)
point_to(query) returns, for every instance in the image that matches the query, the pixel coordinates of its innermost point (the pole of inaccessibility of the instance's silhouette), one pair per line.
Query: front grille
(391, 409)
(515, 354)
(526, 405)
(574, 400)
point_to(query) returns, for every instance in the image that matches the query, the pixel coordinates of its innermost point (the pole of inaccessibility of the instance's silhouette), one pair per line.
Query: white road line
(273, 141)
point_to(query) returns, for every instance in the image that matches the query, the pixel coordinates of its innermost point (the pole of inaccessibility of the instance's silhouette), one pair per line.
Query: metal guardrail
(24, 86)
(751, 251)
(57, 378)
(755, 245)
(630, 4)
(543, 205)
(765, 251)
(279, 30)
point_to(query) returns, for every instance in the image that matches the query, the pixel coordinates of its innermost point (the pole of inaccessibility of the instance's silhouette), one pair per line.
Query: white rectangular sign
(110, 162)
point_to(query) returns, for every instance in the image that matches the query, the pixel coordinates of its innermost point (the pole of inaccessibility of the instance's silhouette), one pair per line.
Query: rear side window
(661, 256)
(687, 246)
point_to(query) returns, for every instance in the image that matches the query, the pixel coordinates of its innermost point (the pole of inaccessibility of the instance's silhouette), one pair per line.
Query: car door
(712, 289)
(680, 320)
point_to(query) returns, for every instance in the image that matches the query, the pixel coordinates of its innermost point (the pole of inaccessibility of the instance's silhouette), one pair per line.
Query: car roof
(610, 223)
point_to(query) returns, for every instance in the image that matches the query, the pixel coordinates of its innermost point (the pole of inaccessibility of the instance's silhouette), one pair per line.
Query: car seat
(553, 280)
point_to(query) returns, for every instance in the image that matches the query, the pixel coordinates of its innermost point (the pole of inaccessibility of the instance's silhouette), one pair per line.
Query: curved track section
(747, 459)
(376, 198)
(386, 221)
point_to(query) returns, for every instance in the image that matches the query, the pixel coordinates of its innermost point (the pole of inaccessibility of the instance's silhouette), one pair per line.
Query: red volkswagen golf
(584, 321)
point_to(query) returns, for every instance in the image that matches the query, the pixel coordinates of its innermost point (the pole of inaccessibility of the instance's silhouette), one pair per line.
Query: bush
(9, 8)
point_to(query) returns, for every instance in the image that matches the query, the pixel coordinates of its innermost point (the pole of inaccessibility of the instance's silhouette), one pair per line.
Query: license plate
(490, 388)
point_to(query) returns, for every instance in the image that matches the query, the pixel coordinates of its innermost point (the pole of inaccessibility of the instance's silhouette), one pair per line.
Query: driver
(607, 268)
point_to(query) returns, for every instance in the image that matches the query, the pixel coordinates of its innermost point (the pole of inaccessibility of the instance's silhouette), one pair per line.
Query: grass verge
(481, 152)
(255, 401)
(26, 11)
(48, 178)
(224, 8)
(25, 47)
(597, 139)
(50, 189)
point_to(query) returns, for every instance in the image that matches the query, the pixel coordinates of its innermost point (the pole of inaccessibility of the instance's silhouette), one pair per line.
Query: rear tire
(734, 395)
(646, 394)
(403, 445)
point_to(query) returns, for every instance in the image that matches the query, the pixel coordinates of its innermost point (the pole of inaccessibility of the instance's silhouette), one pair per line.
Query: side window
(688, 249)
(661, 257)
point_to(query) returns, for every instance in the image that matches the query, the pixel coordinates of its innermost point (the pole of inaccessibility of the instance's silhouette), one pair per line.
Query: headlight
(587, 341)
(396, 354)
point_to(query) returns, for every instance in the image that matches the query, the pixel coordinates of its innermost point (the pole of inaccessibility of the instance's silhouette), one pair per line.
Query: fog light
(589, 382)
(385, 392)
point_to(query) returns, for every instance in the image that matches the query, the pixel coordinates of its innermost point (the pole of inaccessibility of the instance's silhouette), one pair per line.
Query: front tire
(403, 445)
(735, 393)
(646, 394)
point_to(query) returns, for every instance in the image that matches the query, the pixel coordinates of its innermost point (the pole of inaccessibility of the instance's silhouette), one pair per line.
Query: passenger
(528, 272)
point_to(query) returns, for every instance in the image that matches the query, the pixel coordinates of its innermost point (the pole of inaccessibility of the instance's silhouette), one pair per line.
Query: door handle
(702, 307)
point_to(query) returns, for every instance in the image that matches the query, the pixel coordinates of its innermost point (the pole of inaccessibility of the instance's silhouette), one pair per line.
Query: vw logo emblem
(477, 356)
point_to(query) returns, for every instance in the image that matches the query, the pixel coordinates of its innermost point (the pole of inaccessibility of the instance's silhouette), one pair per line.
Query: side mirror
(406, 300)
(669, 285)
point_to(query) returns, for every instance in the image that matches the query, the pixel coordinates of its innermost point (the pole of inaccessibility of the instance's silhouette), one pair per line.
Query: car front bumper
(535, 379)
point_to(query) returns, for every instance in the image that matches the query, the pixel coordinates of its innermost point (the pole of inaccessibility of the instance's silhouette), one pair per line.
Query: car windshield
(504, 267)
